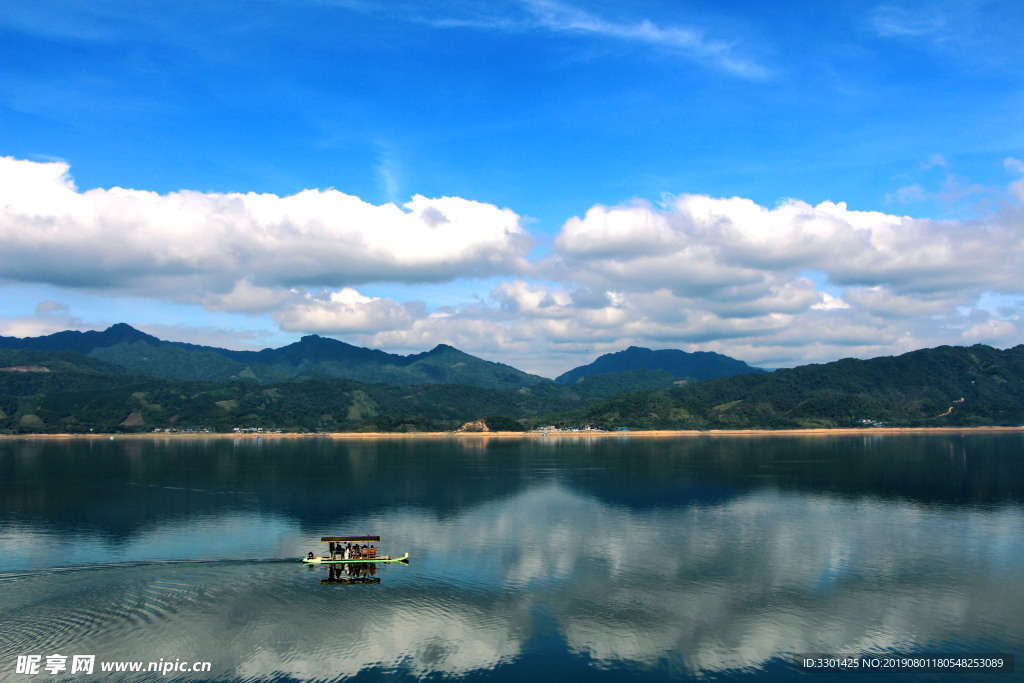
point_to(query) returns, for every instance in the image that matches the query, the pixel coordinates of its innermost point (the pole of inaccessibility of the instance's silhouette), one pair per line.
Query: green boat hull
(377, 560)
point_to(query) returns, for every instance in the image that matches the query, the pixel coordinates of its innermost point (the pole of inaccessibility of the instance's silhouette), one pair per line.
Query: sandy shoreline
(525, 435)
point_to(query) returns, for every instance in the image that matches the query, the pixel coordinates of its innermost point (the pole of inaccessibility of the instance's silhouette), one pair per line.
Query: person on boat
(331, 546)
(310, 556)
(348, 550)
(364, 552)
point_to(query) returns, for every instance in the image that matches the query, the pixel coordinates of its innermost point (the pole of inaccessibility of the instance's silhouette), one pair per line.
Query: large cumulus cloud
(759, 282)
(733, 248)
(775, 286)
(188, 245)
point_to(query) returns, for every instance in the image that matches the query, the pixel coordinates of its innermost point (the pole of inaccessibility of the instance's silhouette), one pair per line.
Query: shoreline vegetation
(591, 434)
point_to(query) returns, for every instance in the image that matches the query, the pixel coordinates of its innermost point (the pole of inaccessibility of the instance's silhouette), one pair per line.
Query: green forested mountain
(946, 386)
(80, 342)
(609, 384)
(58, 391)
(29, 371)
(62, 391)
(315, 357)
(310, 358)
(698, 365)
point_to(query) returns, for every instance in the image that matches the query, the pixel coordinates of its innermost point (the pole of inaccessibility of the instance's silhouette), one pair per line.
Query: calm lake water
(539, 559)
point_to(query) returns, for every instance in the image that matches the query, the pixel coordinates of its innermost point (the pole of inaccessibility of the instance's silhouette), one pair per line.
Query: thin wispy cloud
(973, 35)
(389, 173)
(690, 42)
(891, 21)
(684, 40)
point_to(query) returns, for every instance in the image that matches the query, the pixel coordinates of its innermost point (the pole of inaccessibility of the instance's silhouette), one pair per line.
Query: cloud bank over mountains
(774, 286)
(198, 242)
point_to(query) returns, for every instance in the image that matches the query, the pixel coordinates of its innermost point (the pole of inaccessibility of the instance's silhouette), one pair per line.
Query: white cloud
(245, 297)
(993, 332)
(881, 301)
(346, 311)
(179, 245)
(696, 272)
(829, 303)
(521, 296)
(40, 324)
(698, 245)
(1016, 187)
(907, 194)
(727, 275)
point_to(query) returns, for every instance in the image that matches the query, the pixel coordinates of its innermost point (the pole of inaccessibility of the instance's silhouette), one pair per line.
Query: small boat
(343, 552)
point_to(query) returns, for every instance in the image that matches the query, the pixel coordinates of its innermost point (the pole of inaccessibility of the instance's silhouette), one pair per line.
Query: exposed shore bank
(689, 433)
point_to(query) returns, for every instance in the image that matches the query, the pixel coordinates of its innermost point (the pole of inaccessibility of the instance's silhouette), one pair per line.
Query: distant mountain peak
(119, 332)
(699, 365)
(81, 342)
(444, 347)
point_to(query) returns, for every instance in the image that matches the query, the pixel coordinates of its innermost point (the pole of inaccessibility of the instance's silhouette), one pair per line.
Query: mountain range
(122, 379)
(315, 357)
(312, 357)
(941, 387)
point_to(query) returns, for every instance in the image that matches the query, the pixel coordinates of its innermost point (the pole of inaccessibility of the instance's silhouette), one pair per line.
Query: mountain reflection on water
(636, 558)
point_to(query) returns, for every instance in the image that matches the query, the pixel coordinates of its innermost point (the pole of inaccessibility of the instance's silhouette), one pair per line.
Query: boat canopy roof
(350, 539)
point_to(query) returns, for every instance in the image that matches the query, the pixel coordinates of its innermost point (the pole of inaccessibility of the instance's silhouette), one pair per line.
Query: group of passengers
(351, 551)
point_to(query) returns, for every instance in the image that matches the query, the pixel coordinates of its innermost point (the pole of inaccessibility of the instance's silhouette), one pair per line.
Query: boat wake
(94, 608)
(66, 570)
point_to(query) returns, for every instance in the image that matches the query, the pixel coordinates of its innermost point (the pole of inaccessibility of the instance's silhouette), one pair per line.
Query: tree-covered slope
(315, 357)
(79, 342)
(31, 371)
(310, 358)
(946, 386)
(48, 391)
(145, 404)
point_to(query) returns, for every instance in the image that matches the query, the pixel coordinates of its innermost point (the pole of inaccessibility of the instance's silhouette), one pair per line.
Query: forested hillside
(63, 391)
(312, 357)
(946, 386)
(698, 365)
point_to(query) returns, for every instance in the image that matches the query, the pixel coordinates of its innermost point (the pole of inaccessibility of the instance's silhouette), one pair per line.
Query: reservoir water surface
(698, 557)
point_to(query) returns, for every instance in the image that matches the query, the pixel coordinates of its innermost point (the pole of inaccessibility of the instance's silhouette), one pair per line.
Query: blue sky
(534, 182)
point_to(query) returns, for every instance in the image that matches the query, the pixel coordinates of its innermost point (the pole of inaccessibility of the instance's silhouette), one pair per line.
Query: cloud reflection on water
(737, 584)
(720, 586)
